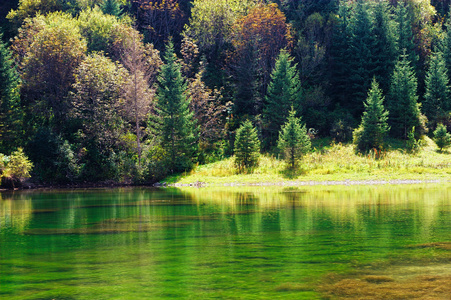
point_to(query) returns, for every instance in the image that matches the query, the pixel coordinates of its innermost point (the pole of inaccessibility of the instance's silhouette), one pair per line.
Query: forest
(131, 91)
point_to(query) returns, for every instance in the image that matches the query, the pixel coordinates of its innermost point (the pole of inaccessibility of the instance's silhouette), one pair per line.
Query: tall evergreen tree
(10, 113)
(385, 51)
(339, 54)
(361, 64)
(294, 141)
(247, 146)
(437, 97)
(284, 91)
(174, 121)
(246, 98)
(446, 45)
(405, 33)
(403, 100)
(374, 127)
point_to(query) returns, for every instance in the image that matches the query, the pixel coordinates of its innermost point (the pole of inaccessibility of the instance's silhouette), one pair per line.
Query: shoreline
(346, 182)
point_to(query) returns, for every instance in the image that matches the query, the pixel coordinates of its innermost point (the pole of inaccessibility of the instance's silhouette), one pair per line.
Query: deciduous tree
(10, 110)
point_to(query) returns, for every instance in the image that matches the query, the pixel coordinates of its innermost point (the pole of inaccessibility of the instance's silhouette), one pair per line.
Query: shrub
(15, 168)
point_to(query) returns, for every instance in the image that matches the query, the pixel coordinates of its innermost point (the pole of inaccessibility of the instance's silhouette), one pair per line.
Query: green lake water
(219, 243)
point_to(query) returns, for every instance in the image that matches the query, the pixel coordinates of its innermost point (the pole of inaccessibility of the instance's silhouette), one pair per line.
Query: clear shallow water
(247, 243)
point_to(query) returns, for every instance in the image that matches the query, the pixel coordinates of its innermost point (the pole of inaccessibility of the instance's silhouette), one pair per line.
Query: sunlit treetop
(211, 21)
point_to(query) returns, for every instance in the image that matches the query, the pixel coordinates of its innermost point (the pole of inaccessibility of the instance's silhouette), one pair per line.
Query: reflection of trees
(394, 210)
(15, 212)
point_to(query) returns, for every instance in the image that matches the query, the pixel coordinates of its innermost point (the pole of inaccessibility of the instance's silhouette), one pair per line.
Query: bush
(15, 168)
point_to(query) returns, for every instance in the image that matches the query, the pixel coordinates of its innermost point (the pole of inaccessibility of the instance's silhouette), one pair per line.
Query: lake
(319, 242)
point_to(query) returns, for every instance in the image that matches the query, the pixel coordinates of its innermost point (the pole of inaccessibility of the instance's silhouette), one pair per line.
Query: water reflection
(15, 212)
(216, 242)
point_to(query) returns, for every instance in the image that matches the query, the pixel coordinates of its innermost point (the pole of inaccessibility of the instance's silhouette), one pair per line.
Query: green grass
(331, 162)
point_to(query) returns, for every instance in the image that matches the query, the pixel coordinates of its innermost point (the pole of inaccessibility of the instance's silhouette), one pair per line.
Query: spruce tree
(10, 112)
(174, 124)
(385, 52)
(294, 141)
(340, 54)
(284, 91)
(111, 7)
(247, 146)
(436, 99)
(374, 127)
(361, 63)
(441, 136)
(405, 33)
(403, 100)
(446, 45)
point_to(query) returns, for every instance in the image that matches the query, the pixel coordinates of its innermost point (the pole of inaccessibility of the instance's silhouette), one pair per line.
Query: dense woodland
(131, 91)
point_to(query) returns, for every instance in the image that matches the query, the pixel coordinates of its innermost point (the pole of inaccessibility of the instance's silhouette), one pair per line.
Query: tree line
(132, 91)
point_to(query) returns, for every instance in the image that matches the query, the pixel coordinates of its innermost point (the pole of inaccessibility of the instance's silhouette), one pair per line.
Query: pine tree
(405, 33)
(361, 64)
(246, 96)
(441, 136)
(385, 52)
(10, 113)
(111, 7)
(446, 45)
(174, 124)
(374, 127)
(247, 146)
(403, 100)
(284, 91)
(436, 99)
(340, 54)
(294, 141)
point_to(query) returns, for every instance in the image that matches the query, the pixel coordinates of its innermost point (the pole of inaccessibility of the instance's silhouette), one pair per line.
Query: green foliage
(10, 110)
(284, 91)
(373, 128)
(52, 54)
(111, 7)
(96, 27)
(441, 137)
(53, 157)
(293, 141)
(403, 100)
(437, 97)
(412, 144)
(406, 43)
(247, 146)
(211, 22)
(361, 63)
(174, 123)
(15, 169)
(96, 99)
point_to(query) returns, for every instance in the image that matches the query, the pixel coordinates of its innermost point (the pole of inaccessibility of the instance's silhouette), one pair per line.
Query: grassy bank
(331, 162)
